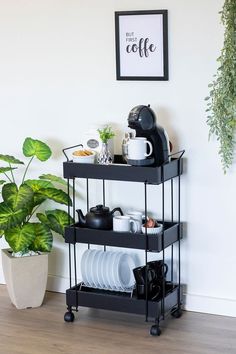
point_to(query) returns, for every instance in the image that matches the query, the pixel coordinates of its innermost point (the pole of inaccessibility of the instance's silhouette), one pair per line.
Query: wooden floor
(42, 330)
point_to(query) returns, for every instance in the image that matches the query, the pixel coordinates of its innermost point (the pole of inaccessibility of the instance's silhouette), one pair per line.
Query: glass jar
(104, 156)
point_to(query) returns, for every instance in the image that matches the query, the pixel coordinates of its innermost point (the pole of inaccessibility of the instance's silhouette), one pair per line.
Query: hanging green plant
(221, 106)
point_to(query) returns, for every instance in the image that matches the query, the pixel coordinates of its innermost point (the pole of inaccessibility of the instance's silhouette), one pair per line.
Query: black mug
(155, 272)
(160, 269)
(140, 274)
(153, 291)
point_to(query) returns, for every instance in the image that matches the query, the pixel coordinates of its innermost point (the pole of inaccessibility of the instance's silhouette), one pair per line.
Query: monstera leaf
(10, 218)
(36, 185)
(37, 148)
(17, 198)
(55, 194)
(43, 218)
(53, 178)
(20, 238)
(10, 159)
(43, 238)
(56, 220)
(59, 219)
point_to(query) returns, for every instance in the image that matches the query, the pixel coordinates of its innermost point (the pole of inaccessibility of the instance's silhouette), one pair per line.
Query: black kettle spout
(81, 217)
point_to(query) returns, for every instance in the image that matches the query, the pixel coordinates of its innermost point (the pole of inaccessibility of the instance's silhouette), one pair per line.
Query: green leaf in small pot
(10, 159)
(17, 198)
(106, 133)
(1, 233)
(20, 238)
(59, 219)
(53, 178)
(55, 194)
(43, 238)
(2, 181)
(6, 169)
(37, 148)
(10, 218)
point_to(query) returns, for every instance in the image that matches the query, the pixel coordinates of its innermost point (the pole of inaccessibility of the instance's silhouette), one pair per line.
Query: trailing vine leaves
(221, 106)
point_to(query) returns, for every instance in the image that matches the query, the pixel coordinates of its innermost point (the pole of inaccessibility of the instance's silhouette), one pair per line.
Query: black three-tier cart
(171, 298)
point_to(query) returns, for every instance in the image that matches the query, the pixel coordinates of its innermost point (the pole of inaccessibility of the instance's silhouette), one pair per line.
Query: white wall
(57, 78)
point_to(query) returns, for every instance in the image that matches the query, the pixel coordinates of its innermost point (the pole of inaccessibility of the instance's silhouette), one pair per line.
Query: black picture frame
(138, 56)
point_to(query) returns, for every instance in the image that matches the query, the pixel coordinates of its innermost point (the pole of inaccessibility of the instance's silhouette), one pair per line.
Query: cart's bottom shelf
(122, 302)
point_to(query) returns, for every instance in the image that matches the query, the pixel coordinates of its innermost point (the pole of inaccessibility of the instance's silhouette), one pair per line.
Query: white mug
(122, 223)
(136, 216)
(137, 148)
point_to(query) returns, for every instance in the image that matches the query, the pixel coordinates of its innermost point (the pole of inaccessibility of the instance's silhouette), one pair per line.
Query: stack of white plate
(108, 270)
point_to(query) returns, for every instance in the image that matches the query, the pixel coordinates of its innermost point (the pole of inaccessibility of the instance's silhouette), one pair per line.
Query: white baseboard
(192, 302)
(209, 304)
(57, 283)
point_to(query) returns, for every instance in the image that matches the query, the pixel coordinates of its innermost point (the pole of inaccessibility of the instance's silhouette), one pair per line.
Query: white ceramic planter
(26, 278)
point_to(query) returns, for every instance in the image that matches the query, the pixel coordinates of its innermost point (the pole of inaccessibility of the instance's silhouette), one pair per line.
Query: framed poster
(141, 45)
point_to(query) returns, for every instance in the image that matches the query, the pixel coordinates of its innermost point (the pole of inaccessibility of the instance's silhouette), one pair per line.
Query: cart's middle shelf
(171, 234)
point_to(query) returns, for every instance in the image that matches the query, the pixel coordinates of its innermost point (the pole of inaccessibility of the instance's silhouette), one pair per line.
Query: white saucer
(89, 267)
(99, 270)
(84, 267)
(125, 271)
(94, 267)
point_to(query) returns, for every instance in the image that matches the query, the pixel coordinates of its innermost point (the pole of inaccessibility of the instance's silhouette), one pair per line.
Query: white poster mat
(134, 32)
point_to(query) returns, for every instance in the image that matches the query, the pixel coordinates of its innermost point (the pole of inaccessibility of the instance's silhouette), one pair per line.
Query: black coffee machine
(143, 120)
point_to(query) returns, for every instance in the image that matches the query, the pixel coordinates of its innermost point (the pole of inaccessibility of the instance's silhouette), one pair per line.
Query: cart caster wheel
(176, 312)
(155, 330)
(69, 317)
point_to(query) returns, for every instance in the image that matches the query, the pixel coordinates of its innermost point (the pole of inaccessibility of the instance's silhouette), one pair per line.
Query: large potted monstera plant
(27, 227)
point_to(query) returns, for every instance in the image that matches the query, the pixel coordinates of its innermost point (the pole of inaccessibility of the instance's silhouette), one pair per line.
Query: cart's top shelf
(122, 172)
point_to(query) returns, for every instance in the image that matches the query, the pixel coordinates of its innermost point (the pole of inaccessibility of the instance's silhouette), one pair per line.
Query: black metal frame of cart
(79, 295)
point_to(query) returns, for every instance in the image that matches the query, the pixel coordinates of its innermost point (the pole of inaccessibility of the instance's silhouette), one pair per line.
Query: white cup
(136, 216)
(123, 223)
(137, 148)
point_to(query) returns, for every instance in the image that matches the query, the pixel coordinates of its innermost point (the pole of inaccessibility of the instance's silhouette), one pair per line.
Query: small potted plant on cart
(105, 156)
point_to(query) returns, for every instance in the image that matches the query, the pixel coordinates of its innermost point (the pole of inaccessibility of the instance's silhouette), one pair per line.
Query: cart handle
(181, 152)
(68, 148)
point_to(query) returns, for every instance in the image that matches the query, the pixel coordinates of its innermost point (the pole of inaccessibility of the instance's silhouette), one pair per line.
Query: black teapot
(99, 217)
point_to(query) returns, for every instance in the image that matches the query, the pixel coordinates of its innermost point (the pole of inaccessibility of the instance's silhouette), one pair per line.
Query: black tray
(123, 172)
(122, 302)
(74, 234)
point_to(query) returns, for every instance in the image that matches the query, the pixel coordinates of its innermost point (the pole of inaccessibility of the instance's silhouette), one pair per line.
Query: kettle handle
(117, 209)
